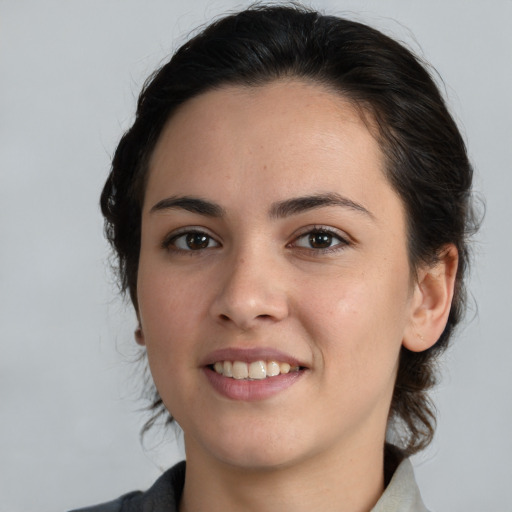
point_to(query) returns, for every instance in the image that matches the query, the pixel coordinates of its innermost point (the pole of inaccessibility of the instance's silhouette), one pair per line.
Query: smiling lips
(256, 370)
(250, 374)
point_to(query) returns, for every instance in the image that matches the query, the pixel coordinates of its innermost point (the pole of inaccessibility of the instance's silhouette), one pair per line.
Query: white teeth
(273, 369)
(240, 370)
(227, 369)
(285, 367)
(257, 370)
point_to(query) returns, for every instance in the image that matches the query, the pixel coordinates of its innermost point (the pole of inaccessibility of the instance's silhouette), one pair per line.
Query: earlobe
(139, 336)
(431, 302)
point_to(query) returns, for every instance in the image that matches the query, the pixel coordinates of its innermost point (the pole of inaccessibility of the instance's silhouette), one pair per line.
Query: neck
(351, 482)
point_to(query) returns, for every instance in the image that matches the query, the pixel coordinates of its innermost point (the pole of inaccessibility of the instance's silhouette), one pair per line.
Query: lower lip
(251, 390)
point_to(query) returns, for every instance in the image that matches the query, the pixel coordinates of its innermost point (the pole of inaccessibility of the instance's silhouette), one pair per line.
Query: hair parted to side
(427, 163)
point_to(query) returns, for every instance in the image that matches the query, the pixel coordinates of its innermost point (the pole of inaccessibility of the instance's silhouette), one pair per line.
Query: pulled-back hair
(426, 160)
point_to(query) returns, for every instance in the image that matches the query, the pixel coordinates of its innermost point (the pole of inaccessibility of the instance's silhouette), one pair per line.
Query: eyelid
(167, 242)
(345, 239)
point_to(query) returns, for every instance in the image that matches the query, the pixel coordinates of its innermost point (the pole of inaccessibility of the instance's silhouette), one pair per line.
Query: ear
(139, 335)
(431, 301)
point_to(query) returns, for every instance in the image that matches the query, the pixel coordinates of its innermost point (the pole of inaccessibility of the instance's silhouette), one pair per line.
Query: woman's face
(272, 242)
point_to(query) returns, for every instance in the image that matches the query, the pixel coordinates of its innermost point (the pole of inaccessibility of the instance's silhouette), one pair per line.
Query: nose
(252, 292)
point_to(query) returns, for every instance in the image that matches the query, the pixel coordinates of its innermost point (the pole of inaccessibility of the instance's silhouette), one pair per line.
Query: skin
(344, 311)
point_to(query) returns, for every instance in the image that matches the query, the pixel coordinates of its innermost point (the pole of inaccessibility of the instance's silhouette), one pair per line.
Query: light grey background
(69, 75)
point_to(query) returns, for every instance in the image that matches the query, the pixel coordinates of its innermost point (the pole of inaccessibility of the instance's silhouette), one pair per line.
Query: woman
(290, 212)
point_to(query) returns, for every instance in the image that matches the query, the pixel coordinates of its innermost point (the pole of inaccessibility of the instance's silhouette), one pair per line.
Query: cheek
(357, 334)
(168, 312)
(169, 318)
(359, 320)
(167, 299)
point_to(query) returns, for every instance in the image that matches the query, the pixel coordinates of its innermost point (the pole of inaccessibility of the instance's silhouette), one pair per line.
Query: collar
(402, 493)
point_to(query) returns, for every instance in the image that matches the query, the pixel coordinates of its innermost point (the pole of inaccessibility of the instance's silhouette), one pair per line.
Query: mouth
(255, 370)
(250, 374)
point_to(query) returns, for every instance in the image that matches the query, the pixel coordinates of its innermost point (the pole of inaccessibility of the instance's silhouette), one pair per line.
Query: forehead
(299, 136)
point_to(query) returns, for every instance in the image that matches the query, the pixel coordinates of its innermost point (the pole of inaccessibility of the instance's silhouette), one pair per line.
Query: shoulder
(163, 496)
(110, 506)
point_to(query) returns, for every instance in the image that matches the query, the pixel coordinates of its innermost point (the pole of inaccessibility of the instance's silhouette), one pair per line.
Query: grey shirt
(401, 494)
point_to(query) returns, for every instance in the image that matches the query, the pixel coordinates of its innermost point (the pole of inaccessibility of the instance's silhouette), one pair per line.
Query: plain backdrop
(70, 72)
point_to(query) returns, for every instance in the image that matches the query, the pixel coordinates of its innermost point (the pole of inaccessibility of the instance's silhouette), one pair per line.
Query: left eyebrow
(302, 204)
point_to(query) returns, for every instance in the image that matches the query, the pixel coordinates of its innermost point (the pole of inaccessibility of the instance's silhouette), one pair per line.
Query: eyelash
(343, 242)
(169, 243)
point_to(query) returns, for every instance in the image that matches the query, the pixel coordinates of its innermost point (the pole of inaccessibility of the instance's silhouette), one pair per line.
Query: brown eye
(320, 240)
(192, 241)
(197, 241)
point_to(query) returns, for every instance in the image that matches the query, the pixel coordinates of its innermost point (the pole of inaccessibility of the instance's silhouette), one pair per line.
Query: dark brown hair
(426, 156)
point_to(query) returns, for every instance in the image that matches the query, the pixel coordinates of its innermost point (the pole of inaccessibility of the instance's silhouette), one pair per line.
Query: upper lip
(249, 355)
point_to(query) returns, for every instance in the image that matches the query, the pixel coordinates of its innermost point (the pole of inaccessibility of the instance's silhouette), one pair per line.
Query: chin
(263, 449)
(257, 460)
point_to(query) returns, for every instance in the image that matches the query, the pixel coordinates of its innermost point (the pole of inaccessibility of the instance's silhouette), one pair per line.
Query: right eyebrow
(191, 204)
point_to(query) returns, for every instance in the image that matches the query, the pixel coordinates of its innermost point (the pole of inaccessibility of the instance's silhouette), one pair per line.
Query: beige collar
(402, 493)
